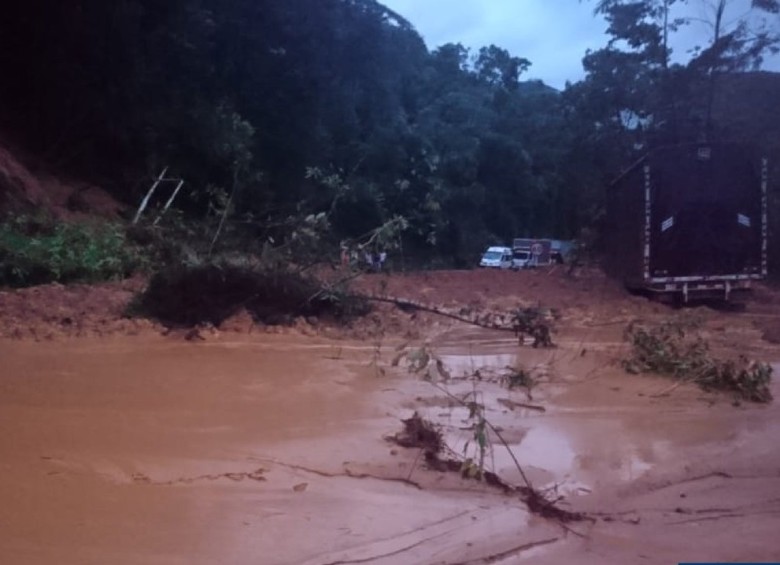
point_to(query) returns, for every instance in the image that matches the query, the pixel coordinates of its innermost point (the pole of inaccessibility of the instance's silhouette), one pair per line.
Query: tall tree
(661, 101)
(736, 44)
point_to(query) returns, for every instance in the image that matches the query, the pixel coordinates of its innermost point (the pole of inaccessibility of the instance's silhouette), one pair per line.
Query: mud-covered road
(272, 448)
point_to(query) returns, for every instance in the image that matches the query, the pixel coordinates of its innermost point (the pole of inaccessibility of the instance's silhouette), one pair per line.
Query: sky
(553, 34)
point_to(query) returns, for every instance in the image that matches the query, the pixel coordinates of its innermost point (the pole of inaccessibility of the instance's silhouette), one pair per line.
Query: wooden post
(145, 201)
(170, 201)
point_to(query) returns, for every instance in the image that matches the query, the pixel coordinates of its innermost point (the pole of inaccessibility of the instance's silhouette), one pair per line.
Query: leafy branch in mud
(418, 362)
(473, 465)
(518, 378)
(423, 434)
(533, 322)
(419, 433)
(670, 349)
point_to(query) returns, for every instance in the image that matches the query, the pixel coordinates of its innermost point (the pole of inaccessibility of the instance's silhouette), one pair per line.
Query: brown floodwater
(271, 449)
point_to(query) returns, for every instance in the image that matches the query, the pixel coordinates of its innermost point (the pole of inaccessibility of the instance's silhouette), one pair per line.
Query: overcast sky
(553, 34)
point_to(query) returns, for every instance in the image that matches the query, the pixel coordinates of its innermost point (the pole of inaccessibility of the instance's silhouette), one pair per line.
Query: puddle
(572, 448)
(468, 365)
(560, 453)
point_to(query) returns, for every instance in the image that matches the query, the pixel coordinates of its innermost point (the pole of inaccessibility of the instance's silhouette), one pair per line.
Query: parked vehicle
(520, 258)
(689, 221)
(560, 251)
(497, 258)
(539, 251)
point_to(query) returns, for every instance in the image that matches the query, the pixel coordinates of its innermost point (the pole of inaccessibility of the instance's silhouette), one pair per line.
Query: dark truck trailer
(689, 221)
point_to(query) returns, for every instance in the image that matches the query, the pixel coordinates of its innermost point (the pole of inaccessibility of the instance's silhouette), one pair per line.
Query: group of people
(363, 258)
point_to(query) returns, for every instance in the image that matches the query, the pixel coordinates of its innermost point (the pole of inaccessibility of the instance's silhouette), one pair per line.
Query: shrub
(34, 251)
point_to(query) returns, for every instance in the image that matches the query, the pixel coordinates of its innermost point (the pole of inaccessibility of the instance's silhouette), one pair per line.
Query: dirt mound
(213, 294)
(53, 311)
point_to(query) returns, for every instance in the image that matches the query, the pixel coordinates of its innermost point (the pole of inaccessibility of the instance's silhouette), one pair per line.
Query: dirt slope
(26, 191)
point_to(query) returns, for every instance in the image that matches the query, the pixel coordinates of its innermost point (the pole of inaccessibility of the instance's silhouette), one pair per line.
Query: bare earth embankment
(126, 443)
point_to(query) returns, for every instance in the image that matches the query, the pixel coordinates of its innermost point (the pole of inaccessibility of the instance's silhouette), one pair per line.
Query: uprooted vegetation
(422, 434)
(188, 296)
(676, 350)
(421, 361)
(534, 323)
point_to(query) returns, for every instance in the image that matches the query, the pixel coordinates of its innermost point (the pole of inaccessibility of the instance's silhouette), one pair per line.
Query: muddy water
(271, 450)
(135, 451)
(266, 451)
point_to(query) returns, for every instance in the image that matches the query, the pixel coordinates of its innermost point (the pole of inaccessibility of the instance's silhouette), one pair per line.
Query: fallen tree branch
(404, 303)
(523, 322)
(511, 404)
(669, 389)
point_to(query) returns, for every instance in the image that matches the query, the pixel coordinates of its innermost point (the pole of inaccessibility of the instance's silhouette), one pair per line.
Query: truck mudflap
(699, 289)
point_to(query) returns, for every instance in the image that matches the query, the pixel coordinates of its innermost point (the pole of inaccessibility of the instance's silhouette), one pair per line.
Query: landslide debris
(210, 294)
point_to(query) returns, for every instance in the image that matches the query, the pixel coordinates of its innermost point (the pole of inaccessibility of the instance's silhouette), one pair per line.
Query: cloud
(553, 34)
(440, 21)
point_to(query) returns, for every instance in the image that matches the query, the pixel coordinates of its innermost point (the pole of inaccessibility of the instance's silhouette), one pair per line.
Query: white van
(497, 258)
(521, 259)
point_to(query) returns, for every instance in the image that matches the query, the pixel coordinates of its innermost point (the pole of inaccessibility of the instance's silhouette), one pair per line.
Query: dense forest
(283, 112)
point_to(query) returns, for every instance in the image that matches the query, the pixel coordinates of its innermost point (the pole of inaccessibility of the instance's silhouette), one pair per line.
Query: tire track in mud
(386, 548)
(369, 557)
(767, 507)
(495, 557)
(459, 524)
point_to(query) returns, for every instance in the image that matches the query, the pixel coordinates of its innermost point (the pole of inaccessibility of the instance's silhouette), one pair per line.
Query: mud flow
(273, 449)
